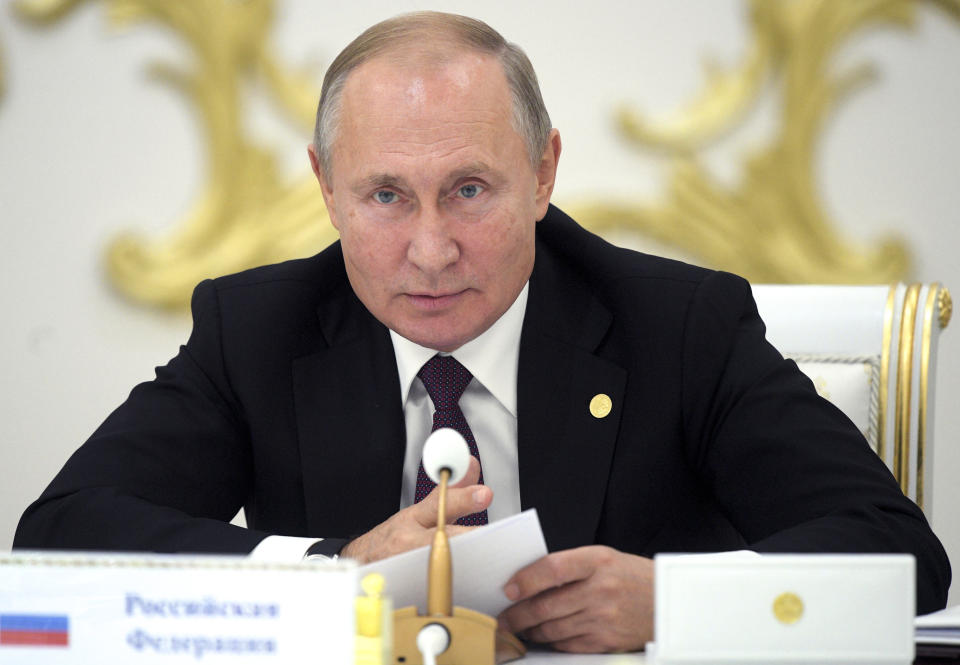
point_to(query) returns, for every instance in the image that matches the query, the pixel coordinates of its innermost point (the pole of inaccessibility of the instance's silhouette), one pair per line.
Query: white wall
(89, 147)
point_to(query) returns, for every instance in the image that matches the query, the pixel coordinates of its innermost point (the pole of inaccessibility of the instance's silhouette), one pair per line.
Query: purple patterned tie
(445, 380)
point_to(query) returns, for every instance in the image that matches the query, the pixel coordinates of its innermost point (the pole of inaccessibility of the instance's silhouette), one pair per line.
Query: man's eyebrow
(377, 180)
(473, 168)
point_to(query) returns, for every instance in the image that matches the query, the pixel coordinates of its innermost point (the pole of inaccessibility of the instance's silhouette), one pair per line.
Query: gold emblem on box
(788, 608)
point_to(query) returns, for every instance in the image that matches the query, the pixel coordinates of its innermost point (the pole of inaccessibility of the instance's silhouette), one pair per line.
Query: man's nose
(432, 246)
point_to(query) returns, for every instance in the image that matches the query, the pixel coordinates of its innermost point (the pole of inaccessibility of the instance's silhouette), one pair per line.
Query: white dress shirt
(489, 405)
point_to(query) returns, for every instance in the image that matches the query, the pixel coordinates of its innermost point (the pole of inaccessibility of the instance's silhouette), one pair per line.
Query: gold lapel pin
(601, 405)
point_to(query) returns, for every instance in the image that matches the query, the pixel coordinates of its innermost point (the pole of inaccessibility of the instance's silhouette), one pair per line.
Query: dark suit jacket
(285, 400)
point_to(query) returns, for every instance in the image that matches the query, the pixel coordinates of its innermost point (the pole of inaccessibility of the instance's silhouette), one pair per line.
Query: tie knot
(445, 380)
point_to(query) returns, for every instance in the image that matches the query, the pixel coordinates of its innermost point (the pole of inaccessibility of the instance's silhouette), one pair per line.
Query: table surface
(553, 658)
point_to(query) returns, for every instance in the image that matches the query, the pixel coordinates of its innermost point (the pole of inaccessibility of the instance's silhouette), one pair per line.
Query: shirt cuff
(282, 548)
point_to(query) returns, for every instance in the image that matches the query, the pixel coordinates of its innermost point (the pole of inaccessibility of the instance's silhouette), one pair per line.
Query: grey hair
(530, 117)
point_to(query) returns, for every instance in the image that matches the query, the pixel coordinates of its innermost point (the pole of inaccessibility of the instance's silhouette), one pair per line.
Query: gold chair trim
(929, 310)
(944, 307)
(885, 372)
(901, 446)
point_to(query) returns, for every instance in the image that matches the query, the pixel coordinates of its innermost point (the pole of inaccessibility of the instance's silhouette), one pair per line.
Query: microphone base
(474, 639)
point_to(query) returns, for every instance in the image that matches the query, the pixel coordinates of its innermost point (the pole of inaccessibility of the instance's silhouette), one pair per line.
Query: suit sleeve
(789, 469)
(166, 471)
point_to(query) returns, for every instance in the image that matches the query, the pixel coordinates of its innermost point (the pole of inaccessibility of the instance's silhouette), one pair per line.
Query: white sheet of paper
(483, 560)
(941, 627)
(946, 618)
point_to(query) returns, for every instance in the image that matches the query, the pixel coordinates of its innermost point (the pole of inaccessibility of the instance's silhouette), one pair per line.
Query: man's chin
(445, 331)
(445, 344)
(439, 340)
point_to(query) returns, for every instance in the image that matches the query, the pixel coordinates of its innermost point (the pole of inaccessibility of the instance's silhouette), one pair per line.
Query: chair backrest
(871, 350)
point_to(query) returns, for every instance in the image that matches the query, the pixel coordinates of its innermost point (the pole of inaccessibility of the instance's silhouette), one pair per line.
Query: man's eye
(470, 191)
(385, 196)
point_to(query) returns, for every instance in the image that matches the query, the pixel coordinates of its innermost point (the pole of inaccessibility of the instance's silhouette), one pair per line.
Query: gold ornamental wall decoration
(247, 214)
(771, 227)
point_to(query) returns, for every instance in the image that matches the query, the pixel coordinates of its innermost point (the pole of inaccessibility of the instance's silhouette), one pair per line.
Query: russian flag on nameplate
(43, 630)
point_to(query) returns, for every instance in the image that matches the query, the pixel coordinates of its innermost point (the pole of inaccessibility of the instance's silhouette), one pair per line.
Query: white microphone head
(446, 449)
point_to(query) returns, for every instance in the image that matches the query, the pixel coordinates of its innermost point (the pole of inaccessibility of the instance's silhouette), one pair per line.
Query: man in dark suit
(632, 400)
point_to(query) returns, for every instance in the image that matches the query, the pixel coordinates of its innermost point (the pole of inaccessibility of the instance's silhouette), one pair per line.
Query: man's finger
(555, 570)
(460, 501)
(548, 607)
(559, 630)
(588, 643)
(472, 476)
(467, 500)
(426, 510)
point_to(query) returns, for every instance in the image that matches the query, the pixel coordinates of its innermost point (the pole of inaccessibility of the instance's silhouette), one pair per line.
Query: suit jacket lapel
(350, 422)
(565, 452)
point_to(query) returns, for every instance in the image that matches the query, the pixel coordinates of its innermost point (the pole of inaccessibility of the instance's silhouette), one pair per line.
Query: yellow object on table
(374, 638)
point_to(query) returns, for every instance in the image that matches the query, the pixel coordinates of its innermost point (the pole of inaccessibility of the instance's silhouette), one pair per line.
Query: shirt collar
(492, 358)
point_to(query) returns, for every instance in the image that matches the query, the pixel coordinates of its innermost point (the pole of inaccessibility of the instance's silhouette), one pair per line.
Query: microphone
(446, 449)
(448, 635)
(446, 459)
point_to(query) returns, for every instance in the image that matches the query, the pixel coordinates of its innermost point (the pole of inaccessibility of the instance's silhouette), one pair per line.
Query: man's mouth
(434, 301)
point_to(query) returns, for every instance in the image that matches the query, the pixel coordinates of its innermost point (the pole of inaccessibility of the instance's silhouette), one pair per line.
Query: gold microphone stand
(474, 639)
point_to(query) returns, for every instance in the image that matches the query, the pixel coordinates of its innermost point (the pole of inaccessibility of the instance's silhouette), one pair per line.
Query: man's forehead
(454, 111)
(402, 101)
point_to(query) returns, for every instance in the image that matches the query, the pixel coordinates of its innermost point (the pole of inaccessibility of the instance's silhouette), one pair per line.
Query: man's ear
(325, 188)
(547, 172)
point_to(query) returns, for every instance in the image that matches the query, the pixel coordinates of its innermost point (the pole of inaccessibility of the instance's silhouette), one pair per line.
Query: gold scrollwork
(247, 214)
(772, 226)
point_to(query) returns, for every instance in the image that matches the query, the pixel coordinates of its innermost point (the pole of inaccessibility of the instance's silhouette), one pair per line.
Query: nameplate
(726, 609)
(66, 608)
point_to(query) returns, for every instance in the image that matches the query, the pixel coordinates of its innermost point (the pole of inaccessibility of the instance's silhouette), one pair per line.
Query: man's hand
(414, 526)
(587, 600)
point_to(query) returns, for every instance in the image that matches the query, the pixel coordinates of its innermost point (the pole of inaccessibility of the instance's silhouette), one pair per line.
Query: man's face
(434, 196)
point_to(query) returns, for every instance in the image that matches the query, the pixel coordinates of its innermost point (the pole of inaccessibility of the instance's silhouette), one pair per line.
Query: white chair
(871, 350)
